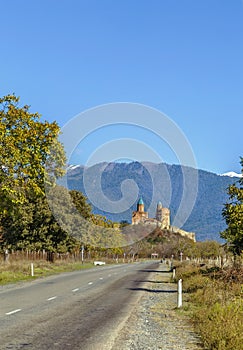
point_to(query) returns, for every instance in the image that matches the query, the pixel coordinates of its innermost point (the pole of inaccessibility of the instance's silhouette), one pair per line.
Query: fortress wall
(183, 233)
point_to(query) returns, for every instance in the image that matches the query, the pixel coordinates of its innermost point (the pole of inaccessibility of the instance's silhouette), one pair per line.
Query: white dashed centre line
(13, 312)
(52, 298)
(90, 283)
(75, 290)
(101, 278)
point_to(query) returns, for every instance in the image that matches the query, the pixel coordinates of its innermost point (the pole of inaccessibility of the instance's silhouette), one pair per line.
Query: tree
(233, 214)
(28, 149)
(81, 204)
(207, 249)
(33, 226)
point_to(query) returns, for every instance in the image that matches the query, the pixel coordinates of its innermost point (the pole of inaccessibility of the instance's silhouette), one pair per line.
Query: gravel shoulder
(155, 323)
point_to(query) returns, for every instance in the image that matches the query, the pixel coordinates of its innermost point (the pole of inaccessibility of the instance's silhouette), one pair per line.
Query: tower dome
(140, 205)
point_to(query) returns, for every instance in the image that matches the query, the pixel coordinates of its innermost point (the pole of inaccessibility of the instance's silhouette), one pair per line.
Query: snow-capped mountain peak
(231, 174)
(72, 167)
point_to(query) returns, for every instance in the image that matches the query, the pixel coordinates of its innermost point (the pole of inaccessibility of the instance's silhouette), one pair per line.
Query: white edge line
(13, 312)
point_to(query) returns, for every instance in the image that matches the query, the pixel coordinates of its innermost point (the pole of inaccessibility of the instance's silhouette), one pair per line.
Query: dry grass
(20, 270)
(216, 305)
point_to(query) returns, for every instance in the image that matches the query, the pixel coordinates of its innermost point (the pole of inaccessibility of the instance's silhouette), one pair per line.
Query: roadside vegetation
(213, 298)
(20, 270)
(214, 292)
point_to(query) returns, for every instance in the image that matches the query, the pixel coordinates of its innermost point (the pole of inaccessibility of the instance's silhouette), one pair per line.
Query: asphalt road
(77, 310)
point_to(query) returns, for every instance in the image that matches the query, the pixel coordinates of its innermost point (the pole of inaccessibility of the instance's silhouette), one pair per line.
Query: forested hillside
(165, 183)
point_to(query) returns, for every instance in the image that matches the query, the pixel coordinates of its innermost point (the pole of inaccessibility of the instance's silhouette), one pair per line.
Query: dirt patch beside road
(155, 323)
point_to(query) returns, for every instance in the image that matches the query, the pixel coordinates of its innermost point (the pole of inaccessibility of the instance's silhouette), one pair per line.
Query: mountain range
(114, 188)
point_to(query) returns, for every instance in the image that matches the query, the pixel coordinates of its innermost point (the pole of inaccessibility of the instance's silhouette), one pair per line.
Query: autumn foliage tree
(29, 148)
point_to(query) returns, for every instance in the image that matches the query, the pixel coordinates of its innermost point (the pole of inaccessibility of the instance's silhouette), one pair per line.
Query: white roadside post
(179, 294)
(82, 254)
(32, 269)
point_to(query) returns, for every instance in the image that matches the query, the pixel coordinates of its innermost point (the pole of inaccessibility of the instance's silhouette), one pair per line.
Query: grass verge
(13, 272)
(214, 300)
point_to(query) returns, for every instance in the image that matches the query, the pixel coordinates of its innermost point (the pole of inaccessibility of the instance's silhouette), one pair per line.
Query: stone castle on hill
(162, 219)
(162, 215)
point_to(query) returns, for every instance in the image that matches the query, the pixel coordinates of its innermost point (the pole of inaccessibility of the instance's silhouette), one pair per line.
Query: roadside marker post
(82, 254)
(32, 269)
(179, 294)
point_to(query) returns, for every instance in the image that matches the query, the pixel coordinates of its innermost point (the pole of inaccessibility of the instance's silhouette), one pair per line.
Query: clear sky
(182, 57)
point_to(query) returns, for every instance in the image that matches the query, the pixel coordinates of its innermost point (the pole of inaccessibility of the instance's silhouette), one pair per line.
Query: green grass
(13, 272)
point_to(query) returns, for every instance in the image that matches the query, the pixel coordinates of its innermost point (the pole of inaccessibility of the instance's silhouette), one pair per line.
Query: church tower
(159, 212)
(166, 218)
(140, 205)
(140, 215)
(163, 215)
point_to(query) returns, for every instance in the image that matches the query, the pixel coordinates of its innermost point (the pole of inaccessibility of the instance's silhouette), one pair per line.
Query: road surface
(77, 310)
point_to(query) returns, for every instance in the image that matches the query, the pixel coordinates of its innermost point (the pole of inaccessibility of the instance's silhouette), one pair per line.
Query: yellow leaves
(26, 146)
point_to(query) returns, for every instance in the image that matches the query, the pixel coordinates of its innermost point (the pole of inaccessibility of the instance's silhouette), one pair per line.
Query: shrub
(194, 283)
(184, 271)
(221, 326)
(215, 302)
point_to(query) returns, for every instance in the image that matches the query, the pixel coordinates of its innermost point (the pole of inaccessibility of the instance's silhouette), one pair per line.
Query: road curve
(77, 310)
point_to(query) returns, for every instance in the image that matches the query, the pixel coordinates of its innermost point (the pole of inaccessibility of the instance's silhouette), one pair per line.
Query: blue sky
(182, 57)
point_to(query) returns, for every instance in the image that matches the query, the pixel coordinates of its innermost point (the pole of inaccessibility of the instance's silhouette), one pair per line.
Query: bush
(185, 271)
(221, 326)
(195, 283)
(216, 305)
